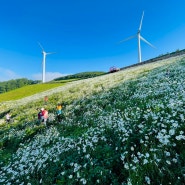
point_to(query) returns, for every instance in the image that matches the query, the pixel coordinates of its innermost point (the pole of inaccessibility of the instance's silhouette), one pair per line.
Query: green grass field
(31, 90)
(27, 91)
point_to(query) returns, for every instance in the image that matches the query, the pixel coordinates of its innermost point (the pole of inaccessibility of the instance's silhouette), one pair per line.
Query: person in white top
(8, 117)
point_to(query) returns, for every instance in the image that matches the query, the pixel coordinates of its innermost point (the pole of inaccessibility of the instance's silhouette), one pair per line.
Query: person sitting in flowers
(8, 117)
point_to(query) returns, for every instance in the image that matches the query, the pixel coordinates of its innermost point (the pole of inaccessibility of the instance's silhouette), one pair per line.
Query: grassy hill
(26, 91)
(15, 85)
(121, 128)
(83, 75)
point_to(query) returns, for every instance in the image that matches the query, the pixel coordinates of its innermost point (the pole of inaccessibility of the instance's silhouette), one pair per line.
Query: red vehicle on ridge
(113, 69)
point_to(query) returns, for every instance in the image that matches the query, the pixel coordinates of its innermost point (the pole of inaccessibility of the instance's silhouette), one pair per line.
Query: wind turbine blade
(131, 37)
(147, 42)
(141, 22)
(40, 46)
(50, 53)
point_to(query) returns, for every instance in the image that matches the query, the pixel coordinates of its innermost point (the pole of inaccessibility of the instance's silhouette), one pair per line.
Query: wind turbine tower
(44, 62)
(139, 37)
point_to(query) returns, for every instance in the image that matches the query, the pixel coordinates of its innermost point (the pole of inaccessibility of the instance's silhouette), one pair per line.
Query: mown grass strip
(27, 91)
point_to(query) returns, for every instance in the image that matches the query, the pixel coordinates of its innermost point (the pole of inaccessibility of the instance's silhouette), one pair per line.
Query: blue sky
(84, 34)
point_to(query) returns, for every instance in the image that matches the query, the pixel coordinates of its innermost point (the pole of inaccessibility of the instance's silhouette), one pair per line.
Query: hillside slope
(88, 86)
(26, 91)
(121, 128)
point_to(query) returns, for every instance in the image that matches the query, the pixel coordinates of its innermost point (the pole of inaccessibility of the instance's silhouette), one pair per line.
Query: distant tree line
(14, 84)
(82, 75)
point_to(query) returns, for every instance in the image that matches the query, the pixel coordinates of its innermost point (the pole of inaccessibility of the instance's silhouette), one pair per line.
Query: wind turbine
(139, 37)
(44, 62)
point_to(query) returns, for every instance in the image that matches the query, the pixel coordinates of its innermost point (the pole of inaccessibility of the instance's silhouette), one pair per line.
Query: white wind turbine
(139, 37)
(44, 62)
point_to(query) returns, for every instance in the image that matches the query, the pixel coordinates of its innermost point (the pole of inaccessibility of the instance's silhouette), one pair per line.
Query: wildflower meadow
(125, 128)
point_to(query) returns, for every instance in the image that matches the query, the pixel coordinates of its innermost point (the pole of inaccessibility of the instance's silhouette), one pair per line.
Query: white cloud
(49, 76)
(7, 74)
